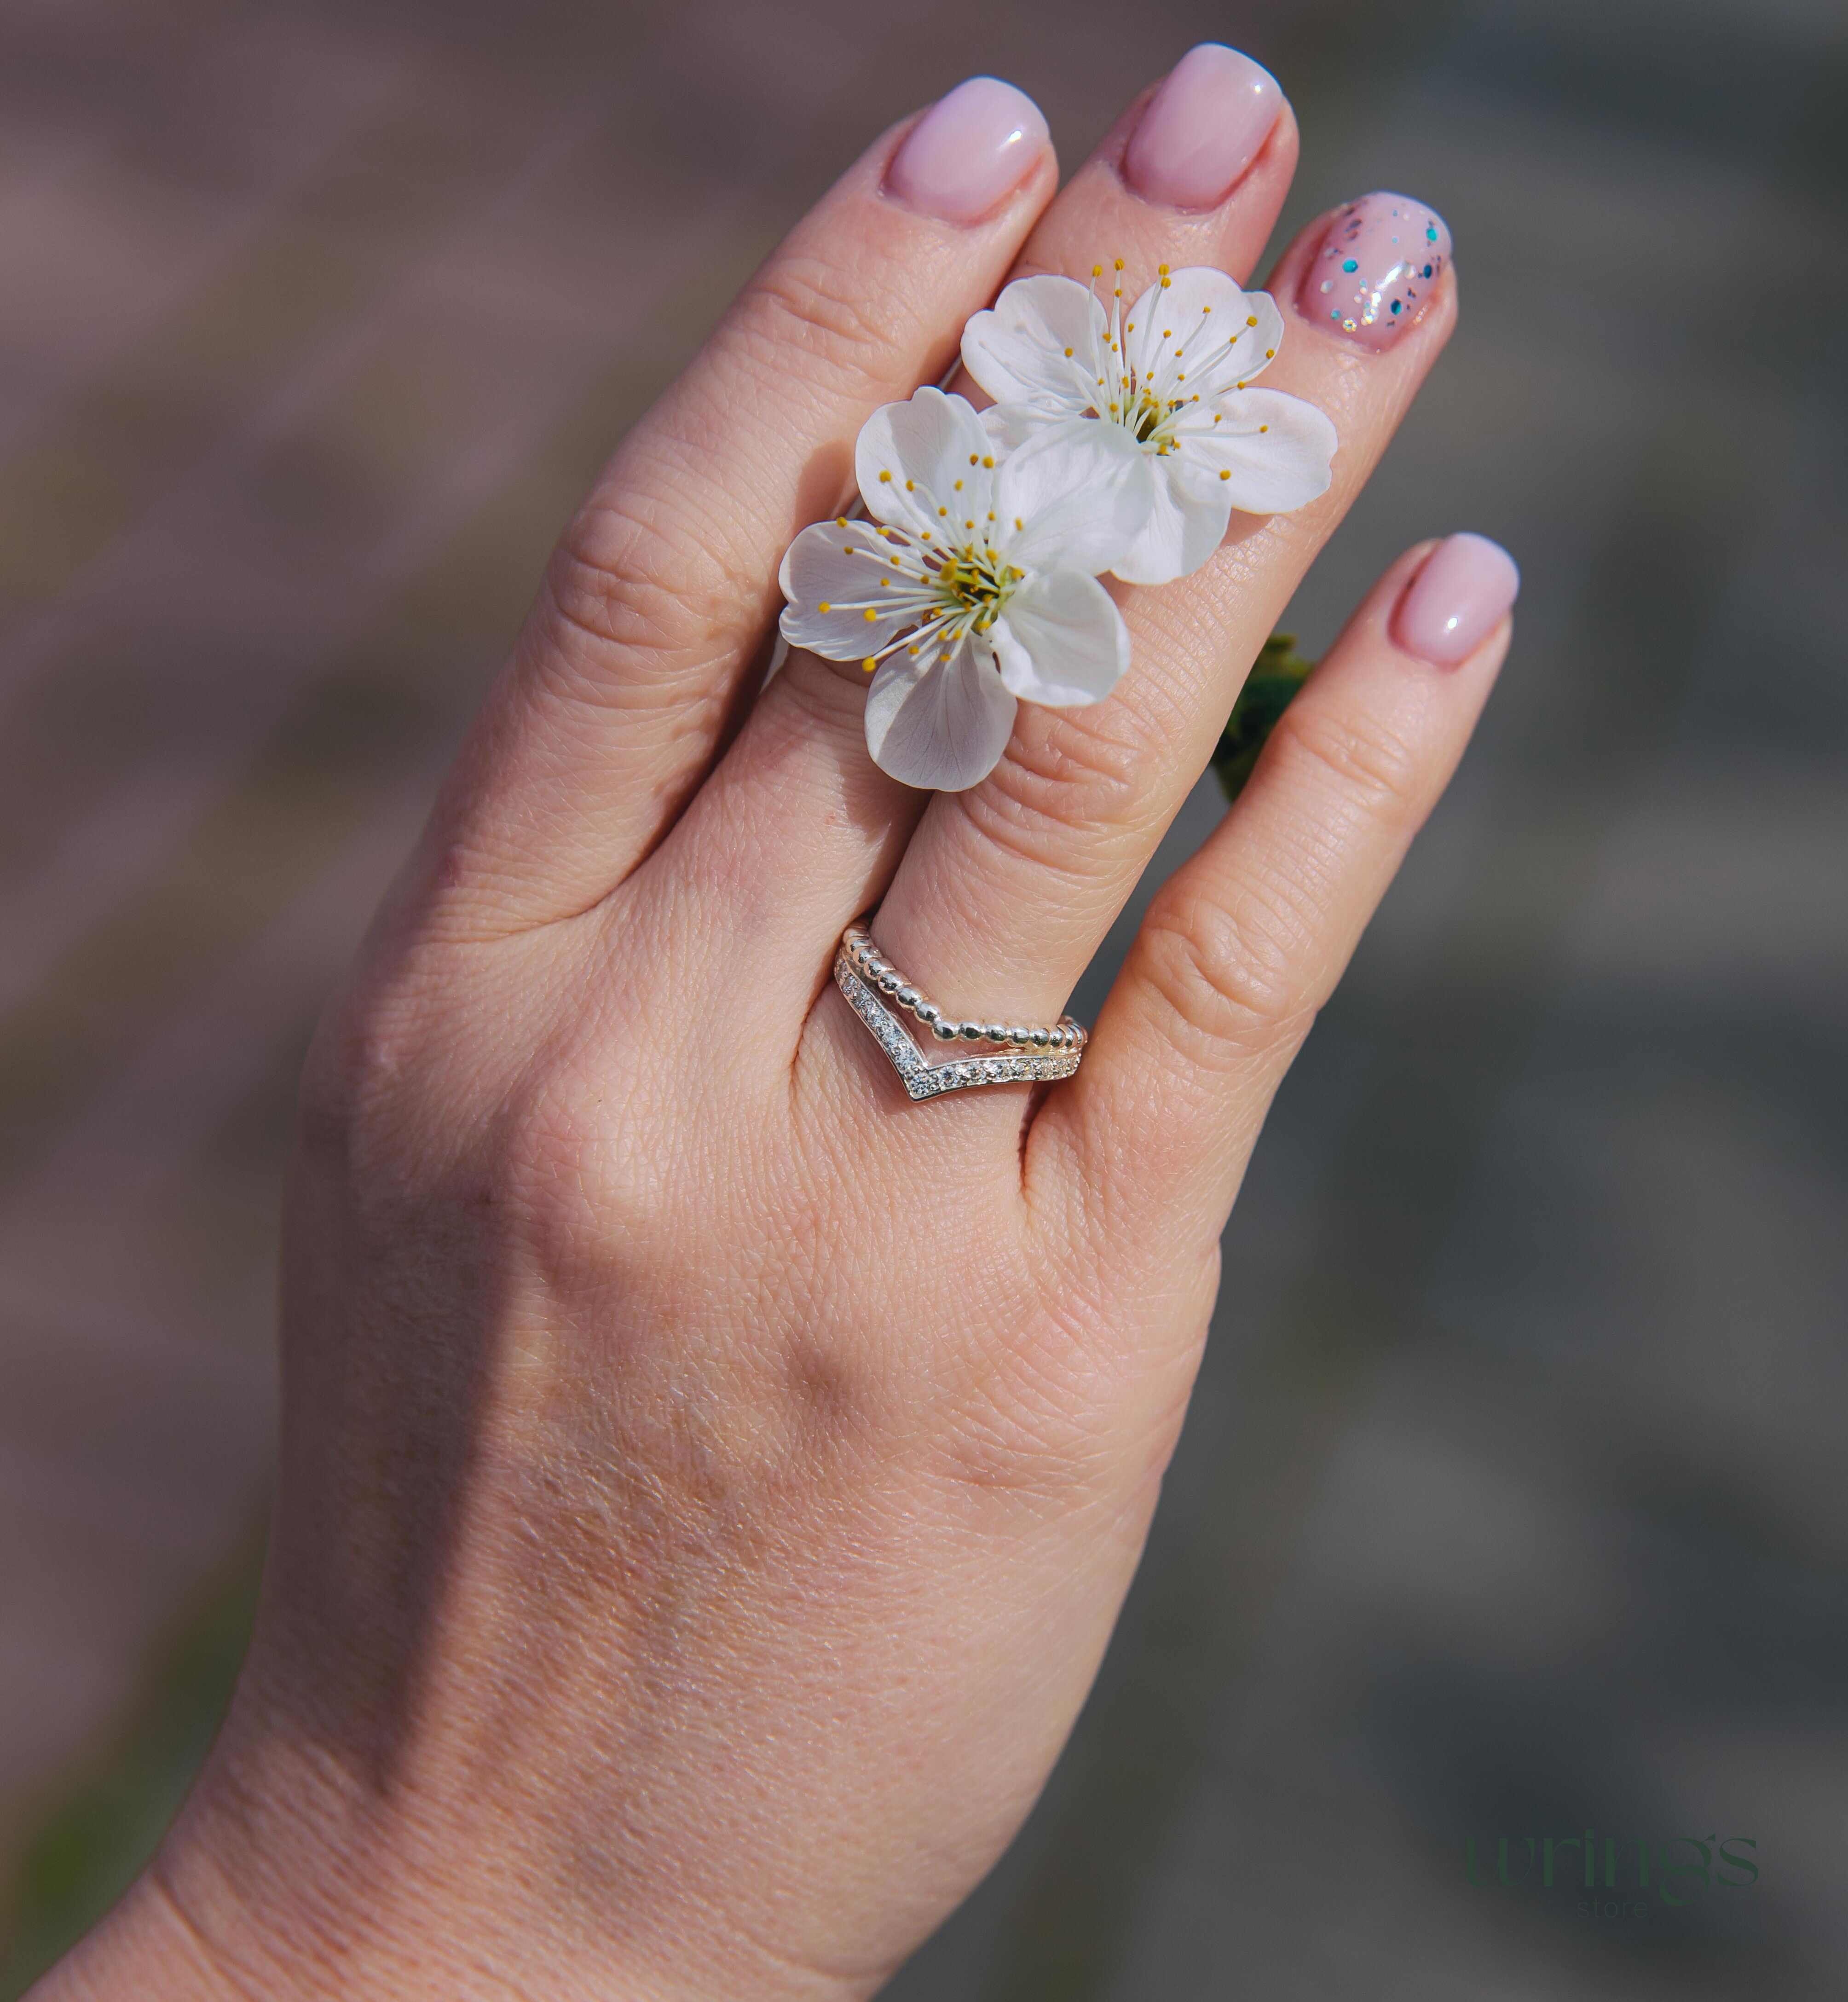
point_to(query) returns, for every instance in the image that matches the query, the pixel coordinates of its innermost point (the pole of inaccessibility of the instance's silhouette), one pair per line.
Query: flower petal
(910, 457)
(943, 728)
(1040, 345)
(840, 568)
(1062, 640)
(1010, 425)
(1073, 498)
(1277, 449)
(1186, 524)
(1202, 327)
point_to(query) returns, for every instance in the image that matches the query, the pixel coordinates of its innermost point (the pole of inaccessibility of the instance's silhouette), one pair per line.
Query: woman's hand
(710, 1478)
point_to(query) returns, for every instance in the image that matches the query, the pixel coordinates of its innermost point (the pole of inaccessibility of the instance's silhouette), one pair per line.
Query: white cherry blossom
(1167, 381)
(974, 586)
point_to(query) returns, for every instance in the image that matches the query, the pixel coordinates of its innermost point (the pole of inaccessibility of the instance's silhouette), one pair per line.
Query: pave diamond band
(1020, 1060)
(863, 956)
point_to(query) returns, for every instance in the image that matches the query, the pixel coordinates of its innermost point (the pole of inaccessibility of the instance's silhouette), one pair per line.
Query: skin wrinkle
(635, 700)
(1371, 764)
(198, 1940)
(1228, 972)
(1065, 771)
(1016, 1428)
(337, 1927)
(620, 582)
(826, 309)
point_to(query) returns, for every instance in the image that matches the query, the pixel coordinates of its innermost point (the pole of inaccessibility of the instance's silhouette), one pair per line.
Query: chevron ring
(1031, 1052)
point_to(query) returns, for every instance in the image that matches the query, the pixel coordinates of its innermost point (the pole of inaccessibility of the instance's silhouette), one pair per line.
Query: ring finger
(1006, 889)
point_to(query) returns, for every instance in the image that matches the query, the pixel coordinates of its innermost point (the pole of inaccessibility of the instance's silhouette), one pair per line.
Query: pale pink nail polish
(1456, 600)
(1203, 128)
(969, 151)
(1375, 269)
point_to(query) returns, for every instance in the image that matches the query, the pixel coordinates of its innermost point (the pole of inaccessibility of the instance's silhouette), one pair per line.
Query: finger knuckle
(1080, 771)
(628, 583)
(569, 1179)
(1229, 970)
(365, 1064)
(1371, 763)
(817, 307)
(409, 1105)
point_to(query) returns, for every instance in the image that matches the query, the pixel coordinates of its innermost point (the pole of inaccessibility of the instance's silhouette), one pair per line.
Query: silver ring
(1028, 1054)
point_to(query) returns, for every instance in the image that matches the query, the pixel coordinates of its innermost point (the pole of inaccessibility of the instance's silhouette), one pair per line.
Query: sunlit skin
(709, 1480)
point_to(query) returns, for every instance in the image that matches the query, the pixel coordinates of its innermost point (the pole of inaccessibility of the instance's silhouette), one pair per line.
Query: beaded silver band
(864, 956)
(862, 976)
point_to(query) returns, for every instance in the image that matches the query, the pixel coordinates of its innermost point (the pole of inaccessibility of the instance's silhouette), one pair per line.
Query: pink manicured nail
(969, 151)
(1203, 128)
(1457, 600)
(1376, 268)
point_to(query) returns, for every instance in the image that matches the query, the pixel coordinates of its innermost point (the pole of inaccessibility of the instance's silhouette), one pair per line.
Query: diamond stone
(928, 1080)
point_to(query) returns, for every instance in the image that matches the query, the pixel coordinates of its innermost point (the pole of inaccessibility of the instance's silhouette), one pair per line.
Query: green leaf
(1275, 676)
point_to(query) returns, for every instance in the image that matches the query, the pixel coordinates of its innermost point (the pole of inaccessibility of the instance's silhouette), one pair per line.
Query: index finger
(660, 592)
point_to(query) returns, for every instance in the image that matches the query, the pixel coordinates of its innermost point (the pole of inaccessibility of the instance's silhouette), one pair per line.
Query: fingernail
(969, 151)
(1376, 268)
(1203, 128)
(1456, 600)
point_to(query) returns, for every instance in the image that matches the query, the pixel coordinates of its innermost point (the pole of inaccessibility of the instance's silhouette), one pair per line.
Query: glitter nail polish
(1375, 269)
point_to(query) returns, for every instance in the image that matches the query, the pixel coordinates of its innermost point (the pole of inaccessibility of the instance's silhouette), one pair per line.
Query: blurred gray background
(1512, 1502)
